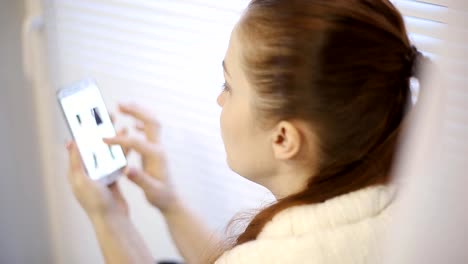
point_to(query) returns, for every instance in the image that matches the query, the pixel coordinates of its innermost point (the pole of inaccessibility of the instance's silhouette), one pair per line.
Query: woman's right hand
(153, 176)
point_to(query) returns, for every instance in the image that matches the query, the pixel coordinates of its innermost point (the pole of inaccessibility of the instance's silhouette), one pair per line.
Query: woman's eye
(225, 87)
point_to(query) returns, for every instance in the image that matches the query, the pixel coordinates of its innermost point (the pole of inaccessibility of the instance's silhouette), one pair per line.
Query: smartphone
(89, 122)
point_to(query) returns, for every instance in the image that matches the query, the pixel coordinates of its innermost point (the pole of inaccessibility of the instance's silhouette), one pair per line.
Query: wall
(24, 236)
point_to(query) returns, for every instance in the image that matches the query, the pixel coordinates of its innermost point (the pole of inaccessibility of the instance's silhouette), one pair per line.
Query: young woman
(314, 99)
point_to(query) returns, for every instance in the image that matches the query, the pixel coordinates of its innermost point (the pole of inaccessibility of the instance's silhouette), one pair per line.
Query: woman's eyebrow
(225, 69)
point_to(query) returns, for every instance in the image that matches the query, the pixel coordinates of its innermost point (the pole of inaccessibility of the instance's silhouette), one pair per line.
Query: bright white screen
(89, 122)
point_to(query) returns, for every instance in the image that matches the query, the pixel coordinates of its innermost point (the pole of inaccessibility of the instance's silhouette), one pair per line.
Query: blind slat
(423, 10)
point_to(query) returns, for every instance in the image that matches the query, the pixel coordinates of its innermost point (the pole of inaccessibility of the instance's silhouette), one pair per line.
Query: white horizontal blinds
(456, 66)
(455, 141)
(165, 54)
(426, 22)
(457, 39)
(438, 28)
(436, 159)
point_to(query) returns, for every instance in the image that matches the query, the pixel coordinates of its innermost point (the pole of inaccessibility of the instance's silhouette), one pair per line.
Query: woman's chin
(229, 163)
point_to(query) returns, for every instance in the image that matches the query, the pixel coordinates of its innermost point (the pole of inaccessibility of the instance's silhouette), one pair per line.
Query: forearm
(193, 238)
(120, 242)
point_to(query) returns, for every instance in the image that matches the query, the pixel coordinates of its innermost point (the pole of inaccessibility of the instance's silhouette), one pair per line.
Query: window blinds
(426, 23)
(167, 56)
(432, 216)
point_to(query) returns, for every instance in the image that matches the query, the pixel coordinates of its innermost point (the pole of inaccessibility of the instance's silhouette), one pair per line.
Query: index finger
(130, 143)
(151, 125)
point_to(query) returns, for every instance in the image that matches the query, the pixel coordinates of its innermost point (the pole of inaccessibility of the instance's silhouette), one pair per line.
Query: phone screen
(89, 122)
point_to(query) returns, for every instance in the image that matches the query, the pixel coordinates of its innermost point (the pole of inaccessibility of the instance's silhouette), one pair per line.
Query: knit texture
(346, 229)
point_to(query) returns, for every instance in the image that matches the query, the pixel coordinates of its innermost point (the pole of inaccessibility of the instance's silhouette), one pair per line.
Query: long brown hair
(341, 65)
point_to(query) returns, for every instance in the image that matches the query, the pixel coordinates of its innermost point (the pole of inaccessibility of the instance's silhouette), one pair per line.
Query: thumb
(74, 158)
(76, 174)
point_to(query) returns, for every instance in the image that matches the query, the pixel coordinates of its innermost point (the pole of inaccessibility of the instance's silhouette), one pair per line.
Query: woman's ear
(286, 141)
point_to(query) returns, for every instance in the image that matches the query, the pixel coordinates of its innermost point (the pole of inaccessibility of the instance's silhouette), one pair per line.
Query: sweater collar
(342, 210)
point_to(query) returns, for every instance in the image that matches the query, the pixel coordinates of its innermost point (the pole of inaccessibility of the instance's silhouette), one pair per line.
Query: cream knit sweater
(345, 229)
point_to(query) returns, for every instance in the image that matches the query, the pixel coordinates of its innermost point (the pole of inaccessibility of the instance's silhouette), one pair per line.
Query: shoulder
(345, 229)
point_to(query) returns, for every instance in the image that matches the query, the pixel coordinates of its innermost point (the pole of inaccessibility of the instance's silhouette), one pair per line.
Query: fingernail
(68, 145)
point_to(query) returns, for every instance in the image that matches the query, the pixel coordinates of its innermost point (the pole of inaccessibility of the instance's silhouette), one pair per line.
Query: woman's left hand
(107, 209)
(97, 199)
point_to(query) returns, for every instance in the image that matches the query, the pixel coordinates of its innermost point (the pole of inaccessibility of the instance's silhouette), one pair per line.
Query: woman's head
(261, 152)
(319, 86)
